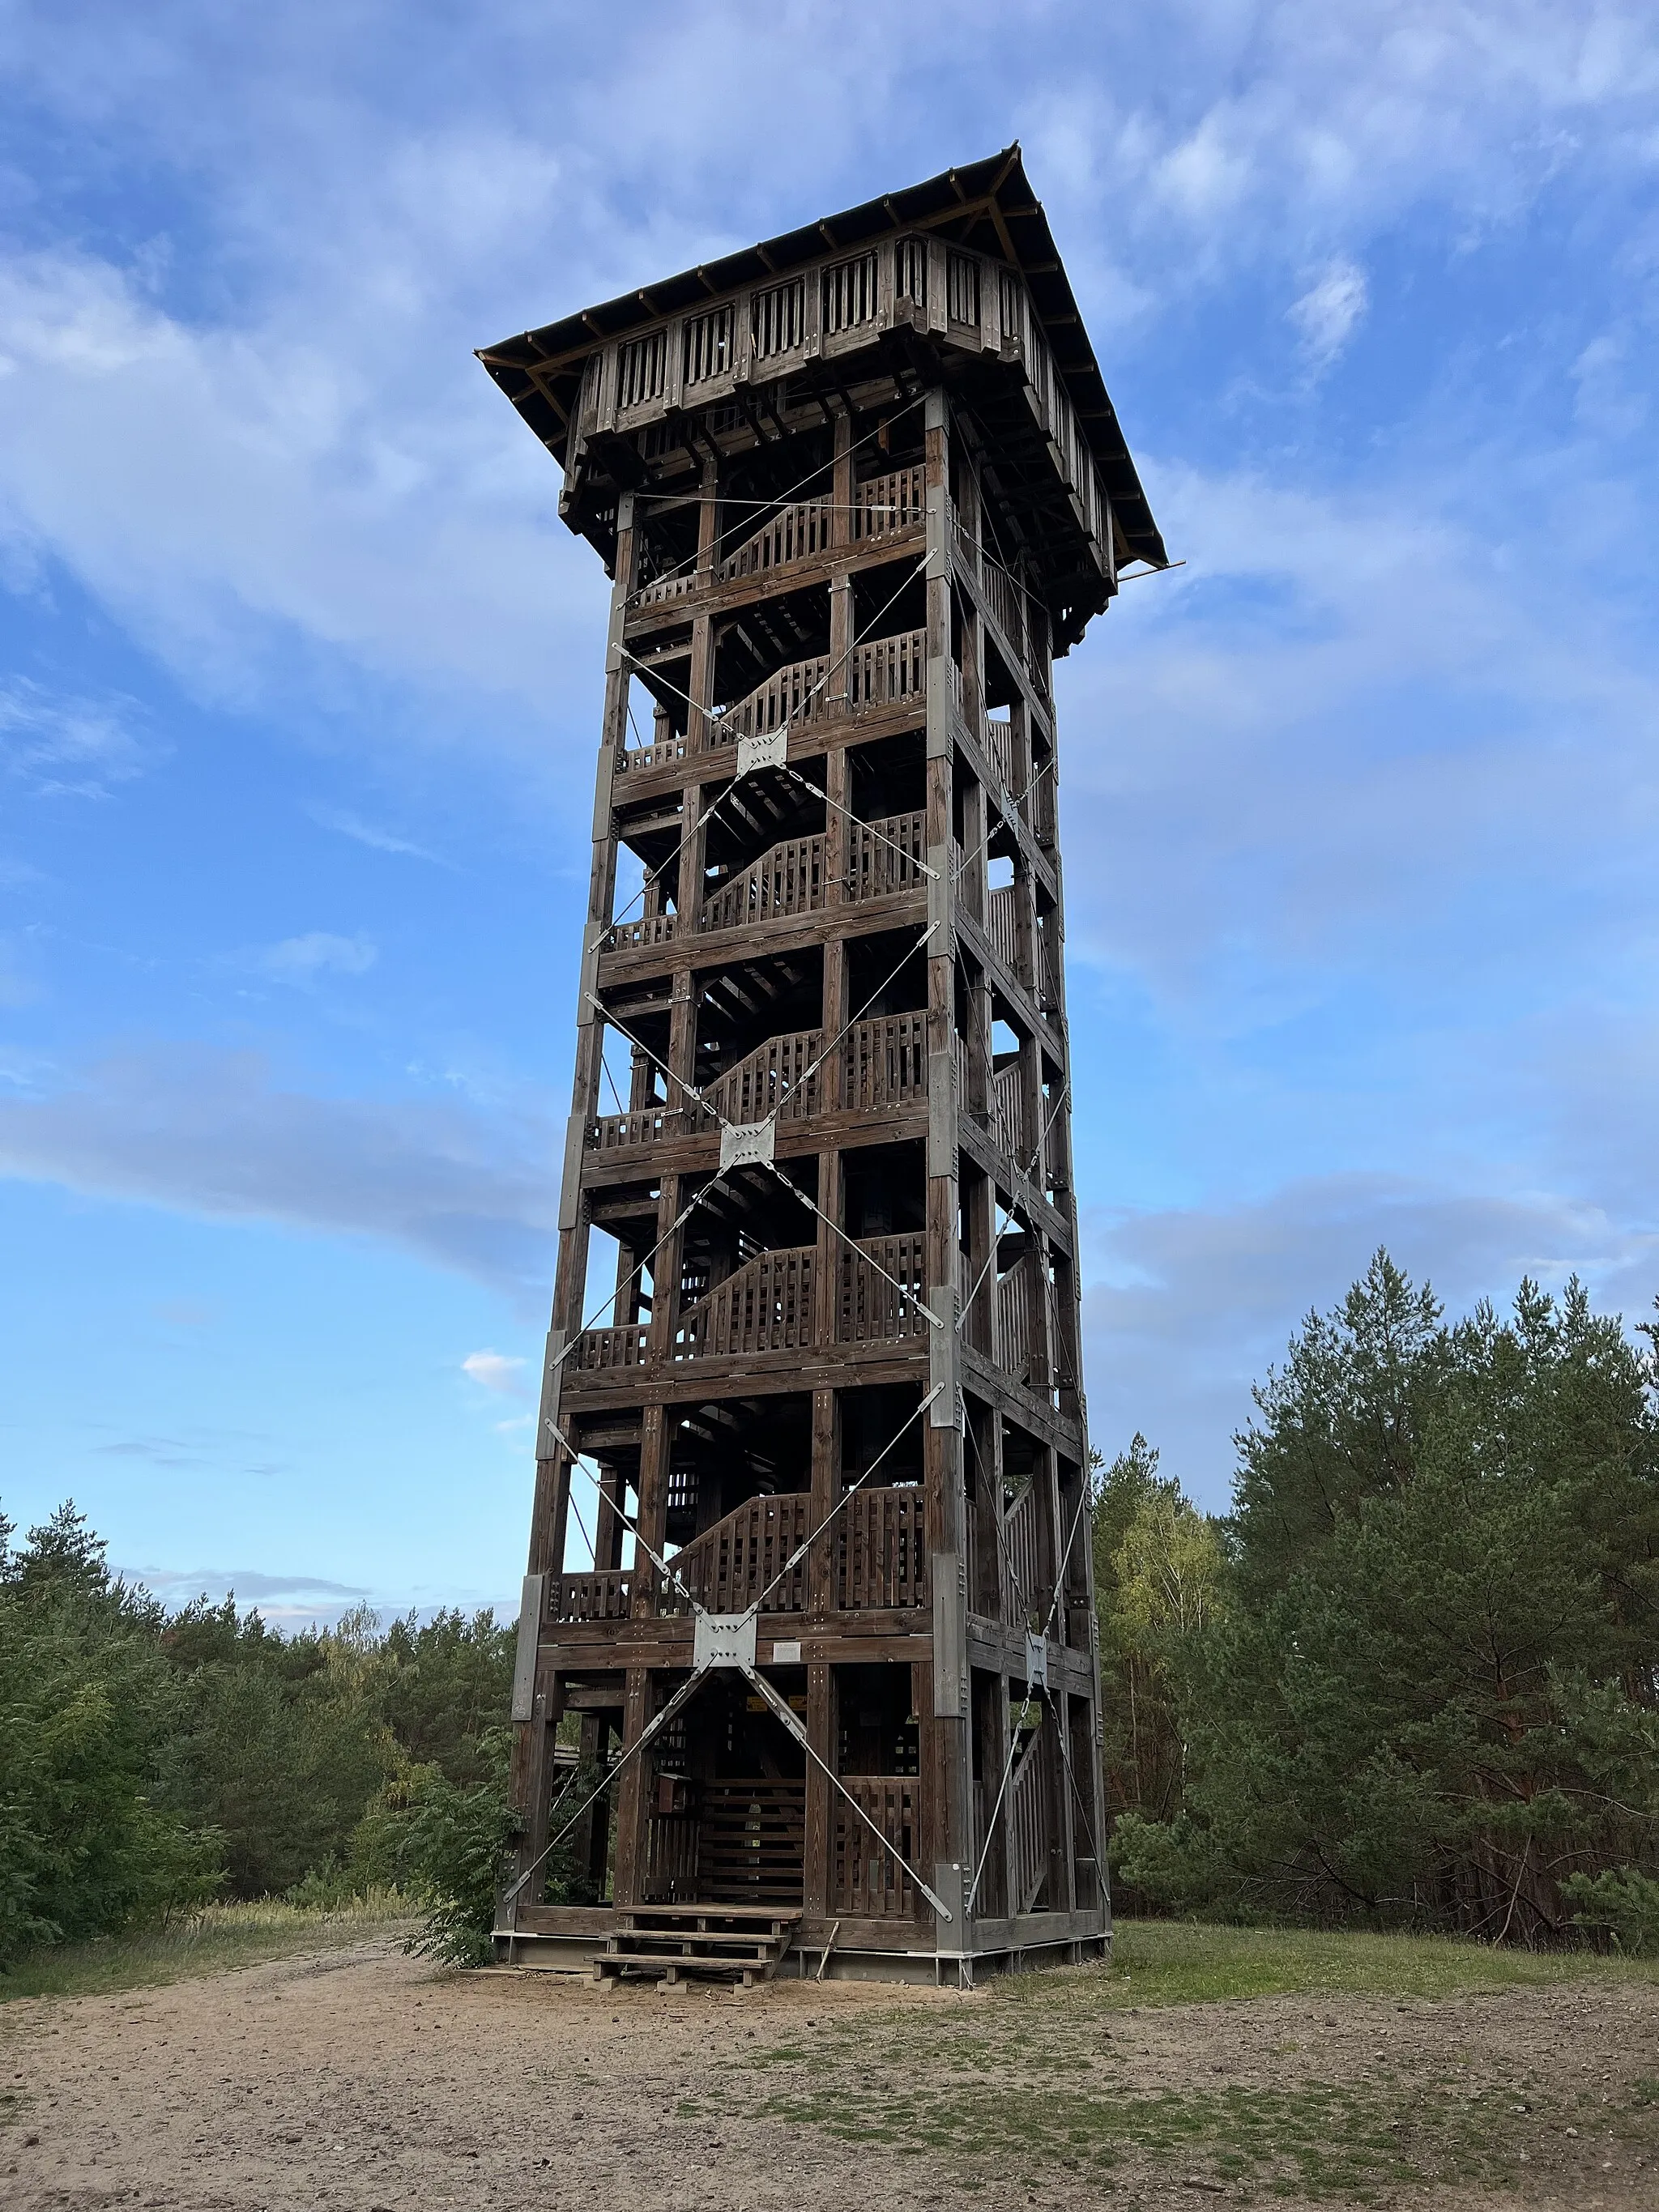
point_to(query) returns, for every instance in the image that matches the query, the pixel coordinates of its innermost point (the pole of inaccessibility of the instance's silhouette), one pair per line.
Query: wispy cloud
(346, 824)
(302, 959)
(1329, 312)
(66, 747)
(211, 1133)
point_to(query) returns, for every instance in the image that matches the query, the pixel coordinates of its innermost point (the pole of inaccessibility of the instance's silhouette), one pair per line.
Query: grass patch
(978, 2086)
(1318, 2139)
(211, 1941)
(1165, 1962)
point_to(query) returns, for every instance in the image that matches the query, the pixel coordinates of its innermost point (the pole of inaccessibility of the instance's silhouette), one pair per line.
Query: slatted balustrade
(616, 1132)
(1015, 1293)
(727, 1567)
(885, 856)
(1002, 925)
(884, 506)
(884, 1063)
(672, 1842)
(665, 591)
(766, 1305)
(599, 1349)
(887, 670)
(648, 929)
(868, 1877)
(1004, 598)
(1008, 1113)
(798, 532)
(787, 879)
(636, 760)
(1026, 1811)
(793, 694)
(999, 750)
(990, 1901)
(1025, 1593)
(605, 1595)
(881, 1289)
(881, 1549)
(780, 1076)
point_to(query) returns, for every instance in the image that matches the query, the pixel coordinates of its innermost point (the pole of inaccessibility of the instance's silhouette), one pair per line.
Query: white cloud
(301, 959)
(209, 1134)
(1329, 312)
(494, 1370)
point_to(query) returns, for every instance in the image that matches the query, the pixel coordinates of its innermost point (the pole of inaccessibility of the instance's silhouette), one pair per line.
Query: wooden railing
(635, 760)
(885, 505)
(797, 694)
(1002, 925)
(881, 1559)
(1050, 992)
(1003, 596)
(884, 1063)
(765, 1306)
(885, 856)
(604, 1595)
(1016, 1292)
(615, 1132)
(1008, 1112)
(648, 929)
(798, 532)
(598, 1349)
(885, 671)
(1026, 1589)
(729, 1566)
(788, 879)
(1027, 1814)
(780, 1076)
(1000, 751)
(665, 591)
(881, 1287)
(868, 1880)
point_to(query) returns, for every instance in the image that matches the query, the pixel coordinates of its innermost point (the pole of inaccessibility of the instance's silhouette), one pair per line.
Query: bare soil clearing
(361, 2079)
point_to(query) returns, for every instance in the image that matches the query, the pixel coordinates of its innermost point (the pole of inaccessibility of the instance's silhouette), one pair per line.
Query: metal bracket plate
(1036, 1662)
(770, 750)
(723, 1639)
(747, 1144)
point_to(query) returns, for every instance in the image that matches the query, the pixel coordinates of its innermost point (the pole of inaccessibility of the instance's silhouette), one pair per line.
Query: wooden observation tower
(809, 1561)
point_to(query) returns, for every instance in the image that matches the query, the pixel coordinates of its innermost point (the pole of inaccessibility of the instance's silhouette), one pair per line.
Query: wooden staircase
(727, 1942)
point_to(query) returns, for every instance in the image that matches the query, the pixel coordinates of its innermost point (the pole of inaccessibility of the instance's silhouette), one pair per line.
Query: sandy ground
(361, 2079)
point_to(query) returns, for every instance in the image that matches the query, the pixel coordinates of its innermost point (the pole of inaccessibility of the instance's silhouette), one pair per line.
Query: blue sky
(298, 697)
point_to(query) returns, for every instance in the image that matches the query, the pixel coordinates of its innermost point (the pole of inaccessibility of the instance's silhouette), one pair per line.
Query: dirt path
(361, 2079)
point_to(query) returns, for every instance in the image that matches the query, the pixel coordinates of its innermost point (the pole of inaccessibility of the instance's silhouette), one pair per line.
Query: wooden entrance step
(666, 1941)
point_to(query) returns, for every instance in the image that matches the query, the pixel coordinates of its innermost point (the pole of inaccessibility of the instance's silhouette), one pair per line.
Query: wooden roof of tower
(986, 208)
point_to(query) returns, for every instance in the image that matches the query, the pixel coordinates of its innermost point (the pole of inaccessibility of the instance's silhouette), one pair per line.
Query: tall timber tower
(809, 1578)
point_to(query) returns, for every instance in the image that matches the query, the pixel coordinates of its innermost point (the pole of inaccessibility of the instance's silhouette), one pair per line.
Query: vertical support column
(631, 1808)
(530, 1783)
(946, 1763)
(820, 1800)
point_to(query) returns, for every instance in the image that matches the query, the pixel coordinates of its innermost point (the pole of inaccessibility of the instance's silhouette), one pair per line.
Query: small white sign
(747, 1144)
(770, 750)
(785, 1655)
